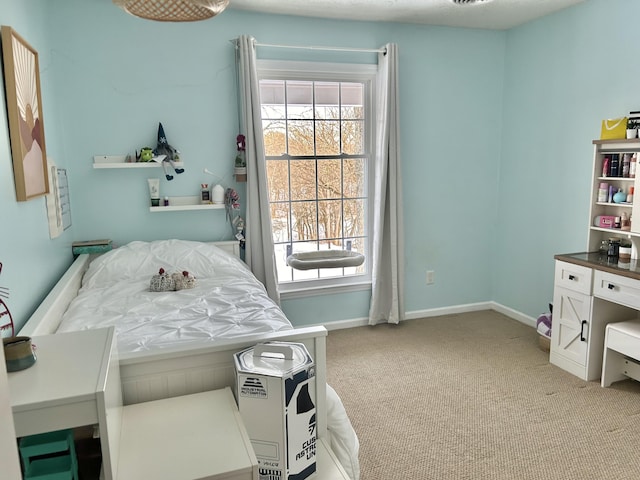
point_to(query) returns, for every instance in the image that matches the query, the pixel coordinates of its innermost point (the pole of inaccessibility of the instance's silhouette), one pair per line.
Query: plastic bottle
(606, 166)
(630, 195)
(205, 196)
(614, 169)
(166, 201)
(633, 165)
(603, 192)
(626, 163)
(217, 194)
(625, 222)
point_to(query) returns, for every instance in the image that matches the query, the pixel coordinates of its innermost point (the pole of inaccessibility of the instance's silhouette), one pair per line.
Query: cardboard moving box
(275, 390)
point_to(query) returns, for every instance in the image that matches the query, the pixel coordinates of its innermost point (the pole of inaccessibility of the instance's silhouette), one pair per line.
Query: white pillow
(141, 260)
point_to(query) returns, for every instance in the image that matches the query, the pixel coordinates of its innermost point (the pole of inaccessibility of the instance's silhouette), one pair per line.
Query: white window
(317, 124)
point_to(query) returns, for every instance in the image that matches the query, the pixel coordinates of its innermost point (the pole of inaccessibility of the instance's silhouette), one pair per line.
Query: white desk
(74, 382)
(589, 294)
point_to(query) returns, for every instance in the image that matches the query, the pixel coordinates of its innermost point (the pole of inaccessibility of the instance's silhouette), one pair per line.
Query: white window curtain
(387, 303)
(387, 296)
(259, 253)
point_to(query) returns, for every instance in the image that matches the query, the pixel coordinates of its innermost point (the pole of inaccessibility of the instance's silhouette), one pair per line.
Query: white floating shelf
(119, 161)
(625, 179)
(623, 204)
(186, 203)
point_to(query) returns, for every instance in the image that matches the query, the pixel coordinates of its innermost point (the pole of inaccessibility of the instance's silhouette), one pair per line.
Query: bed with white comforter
(227, 301)
(180, 342)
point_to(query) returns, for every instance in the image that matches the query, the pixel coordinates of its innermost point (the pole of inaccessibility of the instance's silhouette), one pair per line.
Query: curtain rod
(328, 49)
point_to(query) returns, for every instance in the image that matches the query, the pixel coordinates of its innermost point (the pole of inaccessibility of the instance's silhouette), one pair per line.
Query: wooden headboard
(46, 319)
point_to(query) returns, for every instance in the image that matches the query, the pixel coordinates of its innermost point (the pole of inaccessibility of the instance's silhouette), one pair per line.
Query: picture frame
(24, 113)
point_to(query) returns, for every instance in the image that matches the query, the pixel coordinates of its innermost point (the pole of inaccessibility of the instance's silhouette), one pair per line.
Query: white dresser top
(70, 366)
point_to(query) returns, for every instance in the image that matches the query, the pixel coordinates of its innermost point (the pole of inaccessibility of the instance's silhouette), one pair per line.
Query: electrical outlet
(430, 277)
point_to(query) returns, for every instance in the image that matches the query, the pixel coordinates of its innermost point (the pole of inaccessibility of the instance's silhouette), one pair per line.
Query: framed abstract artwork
(24, 112)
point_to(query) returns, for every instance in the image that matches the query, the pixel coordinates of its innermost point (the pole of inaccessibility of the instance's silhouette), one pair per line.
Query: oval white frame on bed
(170, 373)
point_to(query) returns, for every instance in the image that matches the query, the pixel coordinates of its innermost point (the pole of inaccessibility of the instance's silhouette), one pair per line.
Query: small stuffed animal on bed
(183, 280)
(162, 282)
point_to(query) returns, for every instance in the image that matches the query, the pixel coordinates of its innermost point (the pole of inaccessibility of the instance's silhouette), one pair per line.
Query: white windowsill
(290, 291)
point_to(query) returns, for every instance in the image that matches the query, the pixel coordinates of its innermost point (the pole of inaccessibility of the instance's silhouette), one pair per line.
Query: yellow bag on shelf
(614, 129)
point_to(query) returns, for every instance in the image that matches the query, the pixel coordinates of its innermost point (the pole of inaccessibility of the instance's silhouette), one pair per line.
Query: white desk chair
(621, 359)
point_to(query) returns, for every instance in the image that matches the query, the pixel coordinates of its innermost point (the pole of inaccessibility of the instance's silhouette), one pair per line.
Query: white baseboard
(516, 315)
(436, 312)
(352, 323)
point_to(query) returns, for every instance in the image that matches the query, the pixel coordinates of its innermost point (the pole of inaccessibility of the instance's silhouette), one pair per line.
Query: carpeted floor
(472, 396)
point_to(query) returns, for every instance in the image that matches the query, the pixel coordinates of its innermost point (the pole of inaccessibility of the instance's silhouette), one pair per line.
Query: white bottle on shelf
(217, 194)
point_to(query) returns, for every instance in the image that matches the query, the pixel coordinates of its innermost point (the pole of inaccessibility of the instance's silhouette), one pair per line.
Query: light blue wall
(120, 75)
(468, 185)
(32, 262)
(563, 75)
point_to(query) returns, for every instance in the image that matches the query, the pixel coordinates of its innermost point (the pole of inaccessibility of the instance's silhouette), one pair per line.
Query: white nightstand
(74, 382)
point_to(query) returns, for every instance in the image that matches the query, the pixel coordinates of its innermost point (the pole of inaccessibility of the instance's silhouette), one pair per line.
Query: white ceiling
(495, 15)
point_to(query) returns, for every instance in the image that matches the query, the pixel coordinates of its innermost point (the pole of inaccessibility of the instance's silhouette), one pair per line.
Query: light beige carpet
(472, 396)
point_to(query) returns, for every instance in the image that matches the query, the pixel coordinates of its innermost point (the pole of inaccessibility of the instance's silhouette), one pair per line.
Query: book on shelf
(85, 243)
(91, 246)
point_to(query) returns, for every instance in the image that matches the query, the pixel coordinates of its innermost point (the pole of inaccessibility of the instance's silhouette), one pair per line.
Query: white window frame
(333, 72)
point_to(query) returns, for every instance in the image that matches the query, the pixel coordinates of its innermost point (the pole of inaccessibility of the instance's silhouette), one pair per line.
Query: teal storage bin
(49, 456)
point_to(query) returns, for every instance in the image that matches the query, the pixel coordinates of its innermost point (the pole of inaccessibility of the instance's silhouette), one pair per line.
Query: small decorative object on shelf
(205, 195)
(619, 196)
(168, 153)
(217, 194)
(231, 202)
(632, 128)
(240, 168)
(613, 128)
(146, 154)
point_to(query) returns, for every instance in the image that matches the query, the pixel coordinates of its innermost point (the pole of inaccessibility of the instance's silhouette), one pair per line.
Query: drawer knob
(611, 286)
(572, 277)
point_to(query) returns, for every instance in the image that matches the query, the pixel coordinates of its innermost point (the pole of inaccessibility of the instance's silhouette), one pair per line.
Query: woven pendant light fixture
(173, 10)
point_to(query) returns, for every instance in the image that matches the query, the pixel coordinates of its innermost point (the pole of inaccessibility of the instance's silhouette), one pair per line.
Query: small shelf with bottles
(190, 202)
(614, 175)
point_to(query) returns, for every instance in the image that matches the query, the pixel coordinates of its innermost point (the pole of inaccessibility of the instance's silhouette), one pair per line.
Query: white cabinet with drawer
(572, 304)
(585, 300)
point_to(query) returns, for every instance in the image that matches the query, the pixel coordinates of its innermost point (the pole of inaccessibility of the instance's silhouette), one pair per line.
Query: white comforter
(227, 301)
